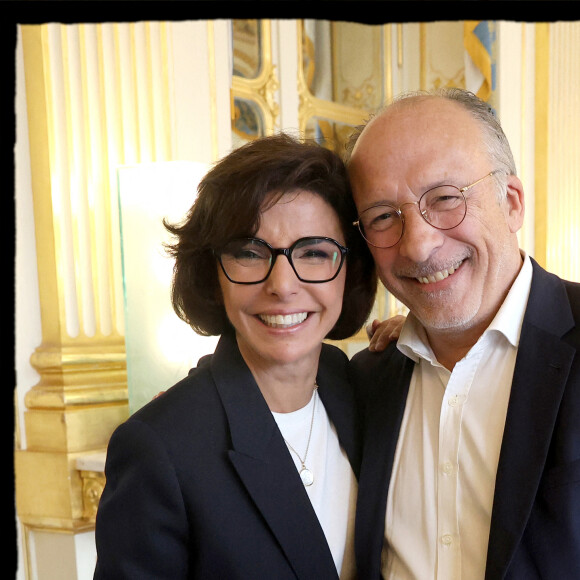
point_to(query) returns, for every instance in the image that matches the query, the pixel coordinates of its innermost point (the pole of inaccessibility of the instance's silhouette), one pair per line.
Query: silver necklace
(306, 475)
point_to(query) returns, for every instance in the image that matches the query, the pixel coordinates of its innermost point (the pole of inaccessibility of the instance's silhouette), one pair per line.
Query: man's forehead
(411, 122)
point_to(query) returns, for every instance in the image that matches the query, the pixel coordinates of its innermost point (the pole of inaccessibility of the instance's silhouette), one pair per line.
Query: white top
(443, 479)
(333, 492)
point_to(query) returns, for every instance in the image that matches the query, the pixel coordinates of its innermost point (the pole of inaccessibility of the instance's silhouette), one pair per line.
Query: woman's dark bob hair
(231, 198)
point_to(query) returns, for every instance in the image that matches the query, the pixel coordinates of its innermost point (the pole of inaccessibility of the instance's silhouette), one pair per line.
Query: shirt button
(448, 468)
(453, 401)
(447, 540)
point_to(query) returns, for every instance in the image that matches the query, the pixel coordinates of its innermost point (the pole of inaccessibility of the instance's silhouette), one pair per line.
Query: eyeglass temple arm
(464, 189)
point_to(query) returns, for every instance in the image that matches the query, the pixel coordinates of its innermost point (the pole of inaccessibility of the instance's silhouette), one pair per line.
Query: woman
(246, 468)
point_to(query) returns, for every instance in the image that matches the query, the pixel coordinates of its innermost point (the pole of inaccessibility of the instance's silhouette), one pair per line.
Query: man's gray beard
(452, 322)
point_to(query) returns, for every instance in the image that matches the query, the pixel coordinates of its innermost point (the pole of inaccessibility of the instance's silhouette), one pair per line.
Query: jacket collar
(265, 467)
(339, 401)
(542, 367)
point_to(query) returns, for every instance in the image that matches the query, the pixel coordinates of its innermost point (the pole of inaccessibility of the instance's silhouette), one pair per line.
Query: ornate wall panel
(343, 75)
(254, 82)
(442, 55)
(97, 97)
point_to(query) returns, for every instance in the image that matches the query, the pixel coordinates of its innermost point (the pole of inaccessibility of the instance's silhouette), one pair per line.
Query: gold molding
(81, 395)
(542, 73)
(422, 56)
(522, 233)
(263, 87)
(311, 106)
(165, 38)
(388, 60)
(49, 491)
(399, 45)
(93, 483)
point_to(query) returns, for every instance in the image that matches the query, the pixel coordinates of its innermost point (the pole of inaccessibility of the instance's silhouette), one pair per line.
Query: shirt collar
(508, 321)
(510, 316)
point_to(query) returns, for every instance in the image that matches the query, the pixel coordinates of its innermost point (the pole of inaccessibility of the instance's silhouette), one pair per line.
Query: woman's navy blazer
(200, 484)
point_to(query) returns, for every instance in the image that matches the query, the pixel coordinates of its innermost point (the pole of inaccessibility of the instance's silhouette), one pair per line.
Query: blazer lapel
(540, 375)
(338, 397)
(265, 467)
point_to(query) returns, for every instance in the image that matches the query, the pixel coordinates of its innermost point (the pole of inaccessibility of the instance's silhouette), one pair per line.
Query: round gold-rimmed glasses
(443, 207)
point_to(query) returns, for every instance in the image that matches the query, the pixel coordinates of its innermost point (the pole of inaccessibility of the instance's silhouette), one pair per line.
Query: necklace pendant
(306, 476)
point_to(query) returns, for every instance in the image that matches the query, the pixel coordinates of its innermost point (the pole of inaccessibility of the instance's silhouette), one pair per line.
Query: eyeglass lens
(442, 207)
(251, 260)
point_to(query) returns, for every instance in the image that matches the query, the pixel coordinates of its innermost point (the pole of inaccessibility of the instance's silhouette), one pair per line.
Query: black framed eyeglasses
(251, 260)
(444, 207)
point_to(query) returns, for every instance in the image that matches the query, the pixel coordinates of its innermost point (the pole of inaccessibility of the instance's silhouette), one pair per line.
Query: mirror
(247, 121)
(329, 133)
(344, 63)
(247, 48)
(254, 108)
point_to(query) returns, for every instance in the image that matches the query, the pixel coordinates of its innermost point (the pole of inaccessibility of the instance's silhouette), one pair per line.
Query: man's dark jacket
(535, 523)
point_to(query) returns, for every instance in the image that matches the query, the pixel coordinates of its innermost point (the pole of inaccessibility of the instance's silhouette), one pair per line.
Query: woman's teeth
(438, 276)
(283, 320)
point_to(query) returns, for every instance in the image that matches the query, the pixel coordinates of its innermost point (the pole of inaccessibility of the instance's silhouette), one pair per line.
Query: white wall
(516, 95)
(27, 304)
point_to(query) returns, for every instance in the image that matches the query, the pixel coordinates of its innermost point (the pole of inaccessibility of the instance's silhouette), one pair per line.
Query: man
(471, 465)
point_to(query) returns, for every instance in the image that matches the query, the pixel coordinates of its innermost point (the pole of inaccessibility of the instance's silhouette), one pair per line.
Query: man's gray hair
(494, 140)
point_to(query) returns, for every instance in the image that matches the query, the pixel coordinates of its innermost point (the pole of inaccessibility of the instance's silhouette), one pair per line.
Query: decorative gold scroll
(96, 99)
(255, 90)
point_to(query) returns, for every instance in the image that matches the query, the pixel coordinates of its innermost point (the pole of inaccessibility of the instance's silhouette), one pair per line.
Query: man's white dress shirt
(442, 485)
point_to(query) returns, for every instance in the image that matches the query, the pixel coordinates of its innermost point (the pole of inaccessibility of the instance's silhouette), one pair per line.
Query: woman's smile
(283, 320)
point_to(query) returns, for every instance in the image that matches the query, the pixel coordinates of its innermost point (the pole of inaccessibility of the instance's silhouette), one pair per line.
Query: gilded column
(82, 392)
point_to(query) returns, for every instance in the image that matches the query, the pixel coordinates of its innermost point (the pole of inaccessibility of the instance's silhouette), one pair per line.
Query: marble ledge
(92, 462)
